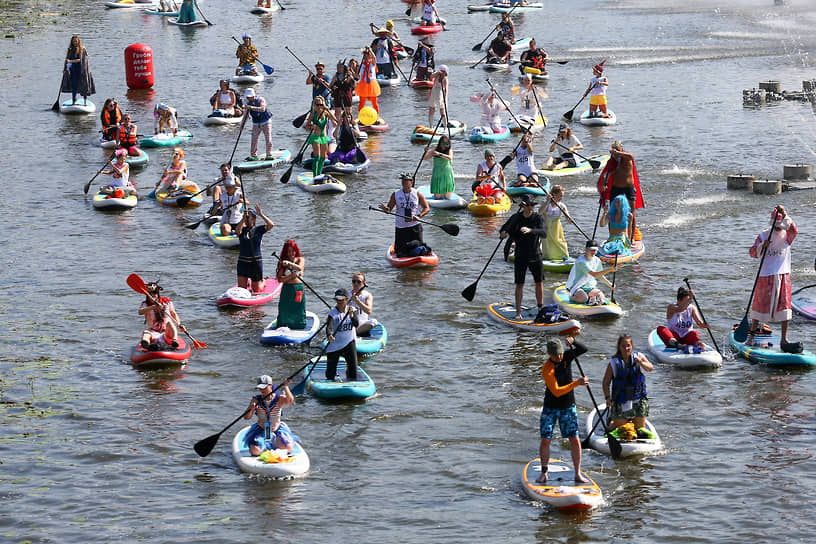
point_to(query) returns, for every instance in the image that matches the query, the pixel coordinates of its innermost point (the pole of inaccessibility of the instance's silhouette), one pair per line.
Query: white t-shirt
(525, 161)
(409, 201)
(597, 87)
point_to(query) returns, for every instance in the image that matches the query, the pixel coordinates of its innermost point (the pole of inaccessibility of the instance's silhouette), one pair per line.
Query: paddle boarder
(255, 108)
(679, 331)
(554, 245)
(499, 50)
(319, 82)
(250, 257)
(582, 282)
(341, 334)
(225, 101)
(187, 11)
(216, 188)
(292, 301)
(165, 119)
(119, 185)
(490, 173)
(367, 87)
(491, 112)
(161, 319)
(619, 218)
(383, 53)
(535, 58)
(424, 59)
(526, 228)
(429, 13)
(569, 143)
(126, 136)
(111, 118)
(231, 207)
(559, 403)
(342, 92)
(409, 205)
(597, 91)
(363, 303)
(77, 77)
(620, 176)
(772, 300)
(175, 174)
(442, 181)
(507, 28)
(437, 98)
(526, 174)
(319, 135)
(624, 386)
(269, 432)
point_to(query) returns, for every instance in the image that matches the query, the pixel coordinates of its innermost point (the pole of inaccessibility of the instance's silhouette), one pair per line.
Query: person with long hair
(292, 302)
(367, 86)
(126, 137)
(161, 319)
(342, 91)
(363, 302)
(174, 175)
(111, 118)
(437, 98)
(568, 143)
(119, 185)
(624, 387)
(319, 137)
(442, 181)
(77, 77)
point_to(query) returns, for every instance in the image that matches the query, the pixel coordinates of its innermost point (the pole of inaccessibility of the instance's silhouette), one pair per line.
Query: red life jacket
(127, 136)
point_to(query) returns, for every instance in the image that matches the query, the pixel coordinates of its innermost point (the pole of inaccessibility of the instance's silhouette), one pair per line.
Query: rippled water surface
(93, 450)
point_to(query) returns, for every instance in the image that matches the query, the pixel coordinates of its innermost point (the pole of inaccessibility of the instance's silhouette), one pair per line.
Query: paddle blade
(594, 164)
(585, 443)
(408, 11)
(741, 334)
(298, 121)
(299, 389)
(87, 186)
(505, 161)
(182, 201)
(136, 283)
(470, 291)
(199, 345)
(568, 115)
(55, 107)
(477, 47)
(286, 175)
(205, 446)
(267, 69)
(451, 229)
(194, 225)
(614, 446)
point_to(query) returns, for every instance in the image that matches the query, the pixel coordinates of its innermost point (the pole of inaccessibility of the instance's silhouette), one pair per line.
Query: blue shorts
(566, 417)
(255, 435)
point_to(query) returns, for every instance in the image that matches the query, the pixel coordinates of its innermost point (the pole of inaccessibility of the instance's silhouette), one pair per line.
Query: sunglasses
(356, 281)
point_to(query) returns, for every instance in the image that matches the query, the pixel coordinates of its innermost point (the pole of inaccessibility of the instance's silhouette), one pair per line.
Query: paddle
(300, 387)
(299, 157)
(614, 274)
(470, 291)
(315, 293)
(450, 228)
(481, 60)
(481, 43)
(516, 119)
(509, 157)
(194, 225)
(360, 154)
(280, 5)
(307, 68)
(56, 105)
(396, 65)
(137, 284)
(694, 298)
(600, 204)
(568, 115)
(593, 163)
(601, 417)
(614, 445)
(410, 8)
(267, 69)
(202, 14)
(205, 446)
(741, 334)
(88, 185)
(549, 196)
(411, 71)
(298, 121)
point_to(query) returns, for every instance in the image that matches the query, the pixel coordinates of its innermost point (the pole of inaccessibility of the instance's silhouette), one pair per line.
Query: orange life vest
(127, 136)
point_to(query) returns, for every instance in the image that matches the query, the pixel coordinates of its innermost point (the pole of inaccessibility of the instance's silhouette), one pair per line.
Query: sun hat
(249, 93)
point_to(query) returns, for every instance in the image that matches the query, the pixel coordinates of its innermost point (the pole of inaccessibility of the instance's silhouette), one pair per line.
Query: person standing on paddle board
(255, 108)
(526, 228)
(319, 135)
(341, 334)
(597, 91)
(250, 257)
(292, 301)
(437, 98)
(624, 387)
(680, 318)
(342, 93)
(559, 403)
(269, 432)
(367, 86)
(409, 205)
(319, 82)
(772, 300)
(582, 282)
(424, 59)
(161, 319)
(554, 245)
(77, 77)
(187, 12)
(620, 176)
(442, 181)
(383, 53)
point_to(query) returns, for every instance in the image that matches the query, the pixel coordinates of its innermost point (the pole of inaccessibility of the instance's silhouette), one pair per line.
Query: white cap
(249, 93)
(246, 35)
(443, 68)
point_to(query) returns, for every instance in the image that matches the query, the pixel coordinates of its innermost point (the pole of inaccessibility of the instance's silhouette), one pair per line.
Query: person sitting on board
(225, 101)
(437, 98)
(269, 432)
(619, 176)
(342, 337)
(165, 119)
(187, 12)
(507, 28)
(429, 13)
(535, 59)
(565, 157)
(255, 108)
(443, 183)
(217, 187)
(119, 186)
(250, 257)
(526, 174)
(624, 387)
(264, 4)
(526, 228)
(409, 206)
(554, 246)
(363, 303)
(772, 300)
(347, 150)
(247, 54)
(619, 217)
(175, 174)
(490, 175)
(597, 91)
(161, 319)
(126, 138)
(490, 121)
(231, 204)
(499, 50)
(582, 282)
(679, 331)
(424, 59)
(111, 118)
(292, 301)
(559, 403)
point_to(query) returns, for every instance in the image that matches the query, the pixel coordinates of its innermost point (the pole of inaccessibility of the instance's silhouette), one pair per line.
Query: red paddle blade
(136, 283)
(199, 345)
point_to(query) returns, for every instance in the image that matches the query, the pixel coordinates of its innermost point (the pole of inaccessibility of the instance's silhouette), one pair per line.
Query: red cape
(605, 189)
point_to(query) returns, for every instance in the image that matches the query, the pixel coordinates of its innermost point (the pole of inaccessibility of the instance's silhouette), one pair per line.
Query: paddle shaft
(280, 5)
(471, 289)
(481, 60)
(590, 161)
(286, 175)
(568, 115)
(744, 322)
(492, 88)
(137, 284)
(495, 28)
(443, 227)
(88, 185)
(304, 65)
(549, 196)
(422, 157)
(202, 14)
(600, 204)
(694, 298)
(614, 277)
(329, 306)
(445, 105)
(614, 445)
(585, 441)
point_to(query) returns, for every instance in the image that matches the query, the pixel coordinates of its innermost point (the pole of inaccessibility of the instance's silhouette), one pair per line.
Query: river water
(93, 450)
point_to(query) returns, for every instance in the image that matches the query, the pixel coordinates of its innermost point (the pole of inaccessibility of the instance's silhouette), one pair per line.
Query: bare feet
(580, 479)
(518, 317)
(750, 340)
(542, 479)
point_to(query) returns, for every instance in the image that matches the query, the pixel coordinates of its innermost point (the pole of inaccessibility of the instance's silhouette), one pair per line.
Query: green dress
(187, 12)
(292, 306)
(442, 177)
(318, 135)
